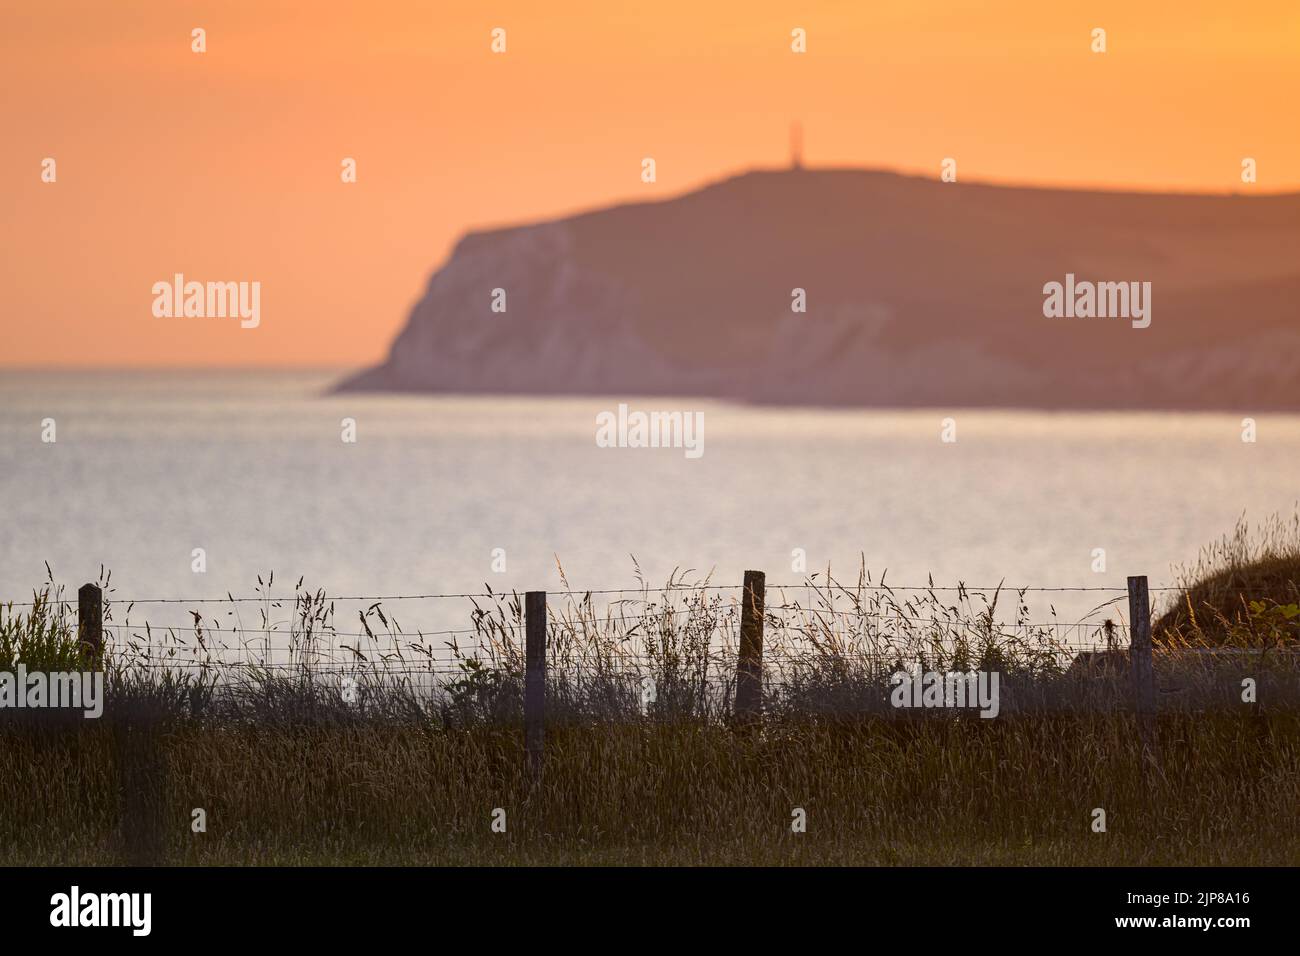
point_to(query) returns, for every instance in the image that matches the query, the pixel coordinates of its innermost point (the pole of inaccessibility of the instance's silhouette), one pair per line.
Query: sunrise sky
(225, 165)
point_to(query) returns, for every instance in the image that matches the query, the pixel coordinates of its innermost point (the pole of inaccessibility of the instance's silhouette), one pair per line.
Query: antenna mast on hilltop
(796, 145)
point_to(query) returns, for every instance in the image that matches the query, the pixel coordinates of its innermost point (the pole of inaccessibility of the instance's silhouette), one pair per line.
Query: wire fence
(860, 624)
(691, 648)
(672, 588)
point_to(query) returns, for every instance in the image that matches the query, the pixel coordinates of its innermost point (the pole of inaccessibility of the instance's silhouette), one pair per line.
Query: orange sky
(225, 165)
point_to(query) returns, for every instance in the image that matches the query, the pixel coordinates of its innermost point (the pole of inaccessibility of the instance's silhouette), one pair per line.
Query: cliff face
(918, 293)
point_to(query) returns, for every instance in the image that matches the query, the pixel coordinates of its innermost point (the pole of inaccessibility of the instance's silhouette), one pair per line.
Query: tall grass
(43, 636)
(259, 727)
(831, 648)
(1021, 790)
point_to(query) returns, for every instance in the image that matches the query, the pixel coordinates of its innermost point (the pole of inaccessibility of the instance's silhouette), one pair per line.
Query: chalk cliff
(918, 293)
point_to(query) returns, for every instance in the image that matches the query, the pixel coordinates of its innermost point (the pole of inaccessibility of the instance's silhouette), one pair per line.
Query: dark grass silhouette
(287, 769)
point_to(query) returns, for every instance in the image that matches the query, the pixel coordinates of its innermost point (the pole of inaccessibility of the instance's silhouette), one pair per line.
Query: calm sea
(251, 468)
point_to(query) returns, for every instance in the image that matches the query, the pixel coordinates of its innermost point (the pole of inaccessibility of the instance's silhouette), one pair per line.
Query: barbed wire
(841, 590)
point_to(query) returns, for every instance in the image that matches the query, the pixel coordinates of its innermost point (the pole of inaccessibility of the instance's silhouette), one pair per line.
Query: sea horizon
(254, 469)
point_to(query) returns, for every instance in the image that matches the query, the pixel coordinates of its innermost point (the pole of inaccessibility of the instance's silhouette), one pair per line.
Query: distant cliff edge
(917, 293)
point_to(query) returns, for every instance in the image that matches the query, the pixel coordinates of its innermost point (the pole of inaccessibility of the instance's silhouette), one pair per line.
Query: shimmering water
(250, 467)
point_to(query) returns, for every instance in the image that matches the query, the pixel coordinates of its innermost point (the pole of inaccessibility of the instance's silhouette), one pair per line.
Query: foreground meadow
(198, 762)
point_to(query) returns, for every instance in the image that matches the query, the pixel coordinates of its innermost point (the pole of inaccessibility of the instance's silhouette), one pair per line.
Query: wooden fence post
(1144, 681)
(749, 669)
(534, 680)
(90, 621)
